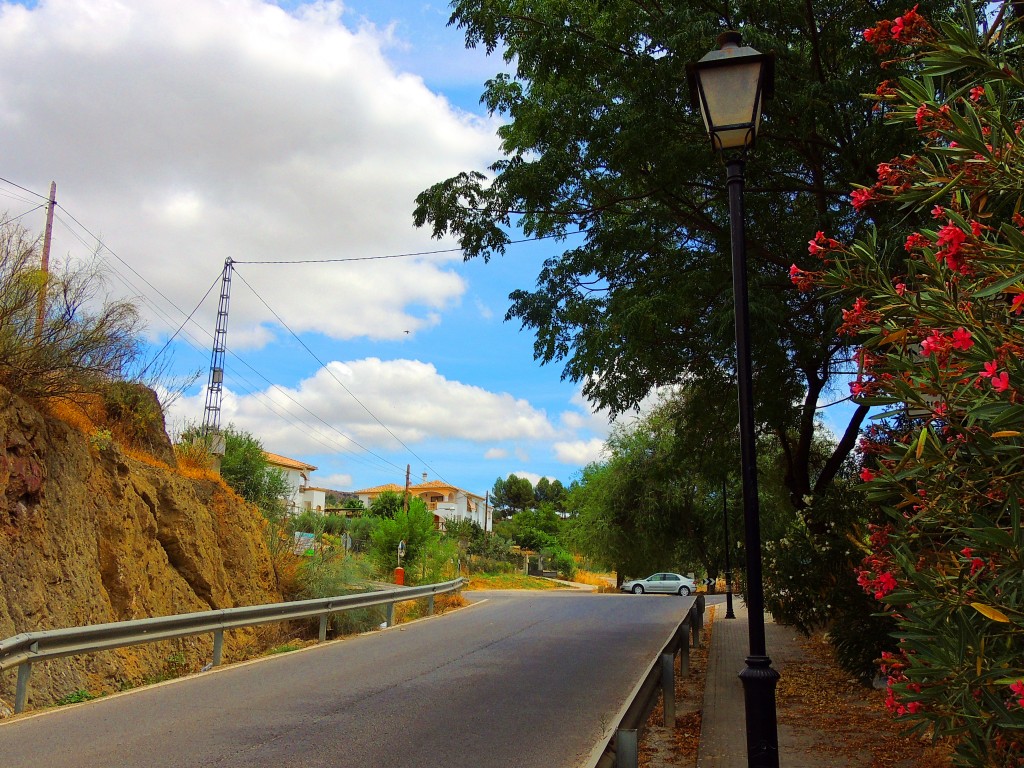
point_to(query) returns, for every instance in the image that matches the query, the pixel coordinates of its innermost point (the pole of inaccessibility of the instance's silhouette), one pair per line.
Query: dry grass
(605, 582)
(510, 581)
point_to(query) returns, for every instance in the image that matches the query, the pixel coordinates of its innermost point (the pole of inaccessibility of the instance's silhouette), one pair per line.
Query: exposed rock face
(89, 535)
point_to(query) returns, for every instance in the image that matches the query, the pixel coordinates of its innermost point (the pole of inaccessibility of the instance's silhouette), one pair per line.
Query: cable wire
(339, 381)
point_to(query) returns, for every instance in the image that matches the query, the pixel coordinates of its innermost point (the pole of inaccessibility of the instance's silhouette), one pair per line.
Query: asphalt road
(521, 679)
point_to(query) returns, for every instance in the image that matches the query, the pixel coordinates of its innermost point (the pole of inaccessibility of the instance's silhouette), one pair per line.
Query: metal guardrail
(621, 750)
(28, 648)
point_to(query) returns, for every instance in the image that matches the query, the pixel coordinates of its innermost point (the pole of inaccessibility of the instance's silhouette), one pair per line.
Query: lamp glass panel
(730, 93)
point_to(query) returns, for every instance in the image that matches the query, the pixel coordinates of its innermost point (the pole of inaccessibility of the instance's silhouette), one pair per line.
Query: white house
(445, 501)
(304, 497)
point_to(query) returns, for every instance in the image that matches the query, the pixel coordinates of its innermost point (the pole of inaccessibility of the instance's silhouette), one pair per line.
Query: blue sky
(183, 132)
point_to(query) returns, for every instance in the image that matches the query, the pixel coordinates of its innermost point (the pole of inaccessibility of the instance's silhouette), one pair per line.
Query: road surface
(518, 680)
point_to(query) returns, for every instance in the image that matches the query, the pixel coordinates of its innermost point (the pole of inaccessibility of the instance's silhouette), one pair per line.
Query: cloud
(183, 132)
(411, 400)
(337, 481)
(579, 452)
(496, 453)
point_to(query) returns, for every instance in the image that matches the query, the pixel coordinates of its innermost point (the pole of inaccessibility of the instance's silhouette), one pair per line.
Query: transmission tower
(215, 386)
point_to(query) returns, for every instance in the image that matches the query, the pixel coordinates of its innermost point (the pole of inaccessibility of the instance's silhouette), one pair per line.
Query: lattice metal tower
(215, 385)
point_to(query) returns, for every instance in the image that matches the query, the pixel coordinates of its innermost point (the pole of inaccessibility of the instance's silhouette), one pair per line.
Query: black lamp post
(730, 85)
(729, 613)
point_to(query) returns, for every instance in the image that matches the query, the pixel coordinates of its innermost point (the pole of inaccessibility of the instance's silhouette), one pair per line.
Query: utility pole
(215, 384)
(487, 509)
(405, 501)
(45, 265)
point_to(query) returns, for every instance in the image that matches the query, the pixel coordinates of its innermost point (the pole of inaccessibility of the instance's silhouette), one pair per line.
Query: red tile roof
(283, 461)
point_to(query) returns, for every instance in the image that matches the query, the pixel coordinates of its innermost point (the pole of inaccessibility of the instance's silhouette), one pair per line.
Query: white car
(667, 583)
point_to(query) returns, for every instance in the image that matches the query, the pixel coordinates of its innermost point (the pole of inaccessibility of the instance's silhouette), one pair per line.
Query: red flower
(976, 565)
(1018, 304)
(867, 475)
(977, 92)
(938, 212)
(1018, 690)
(950, 239)
(990, 369)
(976, 229)
(901, 288)
(920, 115)
(916, 240)
(962, 339)
(859, 198)
(1001, 382)
(885, 584)
(967, 552)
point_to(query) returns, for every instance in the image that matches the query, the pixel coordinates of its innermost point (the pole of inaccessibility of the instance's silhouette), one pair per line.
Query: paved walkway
(723, 741)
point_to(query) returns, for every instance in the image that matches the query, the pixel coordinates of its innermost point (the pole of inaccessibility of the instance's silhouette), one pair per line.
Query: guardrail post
(430, 606)
(323, 627)
(695, 626)
(626, 754)
(21, 694)
(391, 614)
(218, 646)
(684, 650)
(668, 688)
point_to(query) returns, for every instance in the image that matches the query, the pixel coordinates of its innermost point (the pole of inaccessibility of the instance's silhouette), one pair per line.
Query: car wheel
(684, 591)
(637, 589)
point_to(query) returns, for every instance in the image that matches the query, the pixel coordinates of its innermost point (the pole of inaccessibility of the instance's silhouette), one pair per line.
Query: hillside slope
(90, 535)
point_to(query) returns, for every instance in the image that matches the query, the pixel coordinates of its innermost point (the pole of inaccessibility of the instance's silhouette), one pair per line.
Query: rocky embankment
(89, 534)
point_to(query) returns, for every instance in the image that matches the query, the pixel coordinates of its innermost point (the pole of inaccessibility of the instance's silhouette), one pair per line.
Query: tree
(244, 467)
(937, 314)
(602, 149)
(387, 504)
(415, 527)
(511, 495)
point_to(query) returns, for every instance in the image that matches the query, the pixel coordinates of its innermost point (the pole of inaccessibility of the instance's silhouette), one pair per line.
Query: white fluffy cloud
(579, 452)
(183, 132)
(411, 398)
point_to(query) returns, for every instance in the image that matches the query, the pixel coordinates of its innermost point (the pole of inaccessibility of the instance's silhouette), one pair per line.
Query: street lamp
(730, 85)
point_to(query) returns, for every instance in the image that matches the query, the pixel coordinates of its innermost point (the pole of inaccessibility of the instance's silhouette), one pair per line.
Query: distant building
(304, 496)
(445, 501)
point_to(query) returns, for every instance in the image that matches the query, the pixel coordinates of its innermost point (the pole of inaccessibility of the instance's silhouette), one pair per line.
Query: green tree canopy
(388, 504)
(602, 151)
(511, 495)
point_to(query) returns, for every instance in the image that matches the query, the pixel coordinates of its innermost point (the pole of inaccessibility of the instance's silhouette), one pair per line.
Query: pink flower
(901, 288)
(990, 369)
(934, 343)
(938, 212)
(1001, 382)
(962, 339)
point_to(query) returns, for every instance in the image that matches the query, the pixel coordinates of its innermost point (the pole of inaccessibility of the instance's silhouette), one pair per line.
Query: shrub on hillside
(83, 341)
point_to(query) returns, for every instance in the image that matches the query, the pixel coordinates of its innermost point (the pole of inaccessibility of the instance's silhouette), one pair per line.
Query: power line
(399, 255)
(325, 367)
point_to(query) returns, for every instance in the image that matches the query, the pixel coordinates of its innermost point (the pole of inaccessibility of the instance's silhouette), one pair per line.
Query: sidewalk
(723, 742)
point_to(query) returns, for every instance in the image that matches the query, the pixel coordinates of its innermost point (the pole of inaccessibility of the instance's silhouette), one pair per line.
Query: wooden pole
(405, 503)
(45, 264)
